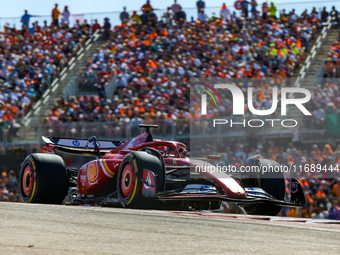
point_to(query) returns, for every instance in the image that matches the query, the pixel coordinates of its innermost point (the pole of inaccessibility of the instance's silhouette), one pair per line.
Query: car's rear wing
(78, 146)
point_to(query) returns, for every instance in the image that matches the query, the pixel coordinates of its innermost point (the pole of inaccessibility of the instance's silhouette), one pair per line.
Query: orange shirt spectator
(40, 30)
(336, 189)
(55, 15)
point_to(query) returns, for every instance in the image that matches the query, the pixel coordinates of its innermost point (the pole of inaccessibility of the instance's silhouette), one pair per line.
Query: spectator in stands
(202, 16)
(292, 17)
(336, 189)
(200, 4)
(107, 28)
(225, 12)
(334, 211)
(135, 18)
(240, 153)
(102, 89)
(253, 10)
(181, 16)
(144, 18)
(315, 14)
(66, 16)
(12, 187)
(272, 10)
(124, 16)
(95, 26)
(324, 15)
(77, 24)
(32, 29)
(55, 15)
(334, 15)
(86, 26)
(306, 36)
(175, 7)
(168, 16)
(45, 27)
(135, 121)
(152, 18)
(319, 116)
(25, 19)
(264, 10)
(244, 5)
(147, 7)
(283, 16)
(3, 192)
(329, 68)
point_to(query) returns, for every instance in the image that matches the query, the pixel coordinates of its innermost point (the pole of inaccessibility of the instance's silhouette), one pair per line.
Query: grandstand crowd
(152, 60)
(30, 59)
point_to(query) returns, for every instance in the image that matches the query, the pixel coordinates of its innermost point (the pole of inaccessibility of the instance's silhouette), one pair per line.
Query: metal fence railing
(174, 131)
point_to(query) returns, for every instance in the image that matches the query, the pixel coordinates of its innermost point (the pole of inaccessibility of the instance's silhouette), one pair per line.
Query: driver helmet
(161, 149)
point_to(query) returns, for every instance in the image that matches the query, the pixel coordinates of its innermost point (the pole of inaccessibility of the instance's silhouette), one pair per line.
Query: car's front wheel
(273, 182)
(131, 179)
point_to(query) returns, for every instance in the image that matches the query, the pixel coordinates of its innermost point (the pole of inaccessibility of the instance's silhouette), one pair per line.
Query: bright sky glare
(44, 7)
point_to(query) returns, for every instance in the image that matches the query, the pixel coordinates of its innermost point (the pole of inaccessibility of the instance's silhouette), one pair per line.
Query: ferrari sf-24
(149, 173)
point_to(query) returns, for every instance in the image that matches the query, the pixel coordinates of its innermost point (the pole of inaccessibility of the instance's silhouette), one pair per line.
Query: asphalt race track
(50, 229)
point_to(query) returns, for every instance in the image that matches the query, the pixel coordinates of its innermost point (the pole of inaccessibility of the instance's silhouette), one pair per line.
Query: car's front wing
(254, 195)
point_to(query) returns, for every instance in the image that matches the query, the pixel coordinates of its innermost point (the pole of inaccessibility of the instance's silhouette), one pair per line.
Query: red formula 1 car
(148, 173)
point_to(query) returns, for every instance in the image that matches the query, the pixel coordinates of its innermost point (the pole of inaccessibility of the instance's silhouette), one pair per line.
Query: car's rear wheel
(43, 179)
(130, 178)
(273, 183)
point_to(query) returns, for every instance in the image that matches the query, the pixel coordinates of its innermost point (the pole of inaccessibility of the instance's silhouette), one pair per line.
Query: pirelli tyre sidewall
(43, 179)
(274, 184)
(130, 175)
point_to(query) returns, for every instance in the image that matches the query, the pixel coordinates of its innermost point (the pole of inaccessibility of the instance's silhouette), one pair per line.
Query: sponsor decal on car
(106, 169)
(112, 200)
(92, 173)
(82, 178)
(149, 183)
(206, 189)
(197, 188)
(76, 143)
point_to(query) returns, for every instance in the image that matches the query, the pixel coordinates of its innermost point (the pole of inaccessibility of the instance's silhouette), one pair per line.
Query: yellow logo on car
(92, 173)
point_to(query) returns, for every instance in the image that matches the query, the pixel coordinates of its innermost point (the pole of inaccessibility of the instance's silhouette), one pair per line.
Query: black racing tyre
(43, 179)
(273, 183)
(130, 175)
